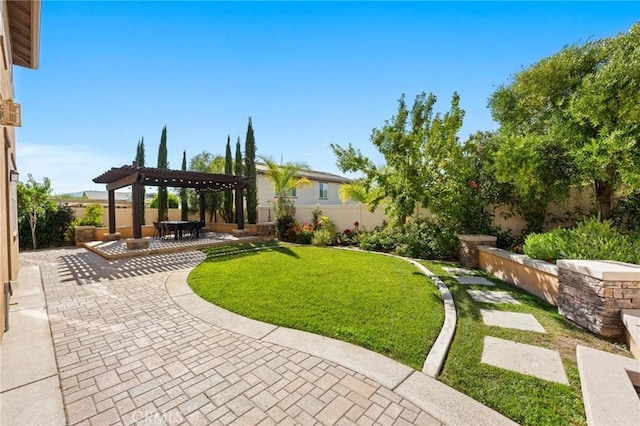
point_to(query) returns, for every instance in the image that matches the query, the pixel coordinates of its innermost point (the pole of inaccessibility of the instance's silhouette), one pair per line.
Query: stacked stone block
(592, 293)
(84, 234)
(468, 248)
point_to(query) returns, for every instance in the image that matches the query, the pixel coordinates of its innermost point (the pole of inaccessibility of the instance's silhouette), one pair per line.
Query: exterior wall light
(14, 176)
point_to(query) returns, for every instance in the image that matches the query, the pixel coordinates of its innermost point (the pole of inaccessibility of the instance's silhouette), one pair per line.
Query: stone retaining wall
(84, 234)
(468, 248)
(592, 293)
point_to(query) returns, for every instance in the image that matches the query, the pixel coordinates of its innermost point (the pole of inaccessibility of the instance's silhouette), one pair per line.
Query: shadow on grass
(221, 254)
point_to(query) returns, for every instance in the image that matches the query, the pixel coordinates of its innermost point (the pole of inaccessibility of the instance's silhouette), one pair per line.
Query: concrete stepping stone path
(514, 320)
(486, 296)
(459, 271)
(474, 281)
(526, 359)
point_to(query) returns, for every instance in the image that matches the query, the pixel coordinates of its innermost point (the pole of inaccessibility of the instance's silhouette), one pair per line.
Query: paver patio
(126, 353)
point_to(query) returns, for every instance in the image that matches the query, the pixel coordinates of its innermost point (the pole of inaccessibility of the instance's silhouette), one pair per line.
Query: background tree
(140, 163)
(207, 163)
(571, 119)
(420, 149)
(238, 167)
(227, 211)
(250, 172)
(173, 201)
(33, 202)
(184, 201)
(163, 163)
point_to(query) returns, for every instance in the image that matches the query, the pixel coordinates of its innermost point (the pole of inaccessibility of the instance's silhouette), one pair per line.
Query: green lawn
(525, 399)
(374, 301)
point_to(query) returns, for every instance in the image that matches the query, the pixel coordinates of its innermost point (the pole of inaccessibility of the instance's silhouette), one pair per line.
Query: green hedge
(589, 240)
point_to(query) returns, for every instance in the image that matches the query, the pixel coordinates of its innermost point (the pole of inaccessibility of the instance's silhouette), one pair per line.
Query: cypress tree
(228, 195)
(239, 165)
(140, 163)
(163, 199)
(184, 203)
(250, 172)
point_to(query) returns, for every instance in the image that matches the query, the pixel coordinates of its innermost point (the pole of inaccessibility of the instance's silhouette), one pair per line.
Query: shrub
(589, 240)
(93, 216)
(50, 231)
(325, 233)
(284, 228)
(348, 238)
(426, 239)
(304, 233)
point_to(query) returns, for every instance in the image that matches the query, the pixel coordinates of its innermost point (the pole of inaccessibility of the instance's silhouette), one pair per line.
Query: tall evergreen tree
(239, 165)
(140, 163)
(227, 212)
(250, 172)
(184, 203)
(163, 163)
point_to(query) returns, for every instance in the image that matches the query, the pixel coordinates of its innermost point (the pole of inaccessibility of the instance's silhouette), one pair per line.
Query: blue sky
(309, 74)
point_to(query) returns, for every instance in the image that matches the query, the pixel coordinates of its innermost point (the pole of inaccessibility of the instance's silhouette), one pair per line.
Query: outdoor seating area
(179, 229)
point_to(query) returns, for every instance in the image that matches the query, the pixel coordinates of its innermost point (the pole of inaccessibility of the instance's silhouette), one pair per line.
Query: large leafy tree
(420, 149)
(163, 163)
(572, 119)
(184, 200)
(285, 178)
(34, 201)
(140, 160)
(227, 211)
(207, 163)
(250, 172)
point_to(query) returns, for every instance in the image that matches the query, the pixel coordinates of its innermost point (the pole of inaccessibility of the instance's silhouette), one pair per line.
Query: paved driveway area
(127, 354)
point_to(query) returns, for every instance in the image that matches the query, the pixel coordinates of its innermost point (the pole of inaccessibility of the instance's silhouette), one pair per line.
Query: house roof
(315, 175)
(104, 195)
(24, 28)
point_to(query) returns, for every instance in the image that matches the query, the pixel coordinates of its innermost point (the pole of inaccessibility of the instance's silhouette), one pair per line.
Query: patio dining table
(177, 227)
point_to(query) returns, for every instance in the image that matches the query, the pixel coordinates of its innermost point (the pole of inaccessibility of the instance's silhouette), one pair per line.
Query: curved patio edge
(443, 402)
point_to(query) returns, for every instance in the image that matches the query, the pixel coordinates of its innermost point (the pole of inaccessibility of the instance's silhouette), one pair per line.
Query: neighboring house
(19, 41)
(323, 190)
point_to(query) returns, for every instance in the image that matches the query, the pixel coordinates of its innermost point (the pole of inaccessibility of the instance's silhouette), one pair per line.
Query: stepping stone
(486, 296)
(474, 281)
(526, 359)
(459, 271)
(511, 320)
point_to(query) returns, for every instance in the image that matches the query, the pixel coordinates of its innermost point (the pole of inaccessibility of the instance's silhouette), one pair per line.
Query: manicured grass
(374, 301)
(525, 399)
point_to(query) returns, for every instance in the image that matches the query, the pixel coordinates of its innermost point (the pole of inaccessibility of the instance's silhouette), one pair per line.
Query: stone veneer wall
(592, 293)
(468, 248)
(84, 234)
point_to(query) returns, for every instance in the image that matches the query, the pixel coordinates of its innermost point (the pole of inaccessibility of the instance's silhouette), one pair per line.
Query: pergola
(120, 177)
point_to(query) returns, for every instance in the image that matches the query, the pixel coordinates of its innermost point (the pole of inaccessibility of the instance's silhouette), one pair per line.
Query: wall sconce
(14, 176)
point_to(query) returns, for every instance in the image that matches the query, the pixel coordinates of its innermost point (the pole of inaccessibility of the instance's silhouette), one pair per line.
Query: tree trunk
(604, 196)
(33, 223)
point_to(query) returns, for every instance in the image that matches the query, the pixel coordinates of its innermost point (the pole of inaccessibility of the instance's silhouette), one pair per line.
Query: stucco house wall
(19, 42)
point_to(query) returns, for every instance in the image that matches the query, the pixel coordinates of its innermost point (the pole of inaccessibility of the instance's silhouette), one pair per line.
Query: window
(324, 190)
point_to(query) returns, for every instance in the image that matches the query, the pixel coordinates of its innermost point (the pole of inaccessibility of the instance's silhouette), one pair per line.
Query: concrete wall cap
(606, 270)
(522, 259)
(477, 237)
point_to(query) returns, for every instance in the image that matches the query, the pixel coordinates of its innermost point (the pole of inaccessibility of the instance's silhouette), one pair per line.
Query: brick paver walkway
(127, 354)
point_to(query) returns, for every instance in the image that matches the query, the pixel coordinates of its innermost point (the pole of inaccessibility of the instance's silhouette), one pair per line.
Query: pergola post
(239, 207)
(137, 210)
(202, 207)
(112, 211)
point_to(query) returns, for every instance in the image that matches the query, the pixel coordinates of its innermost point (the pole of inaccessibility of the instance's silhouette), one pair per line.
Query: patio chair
(166, 230)
(202, 230)
(157, 230)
